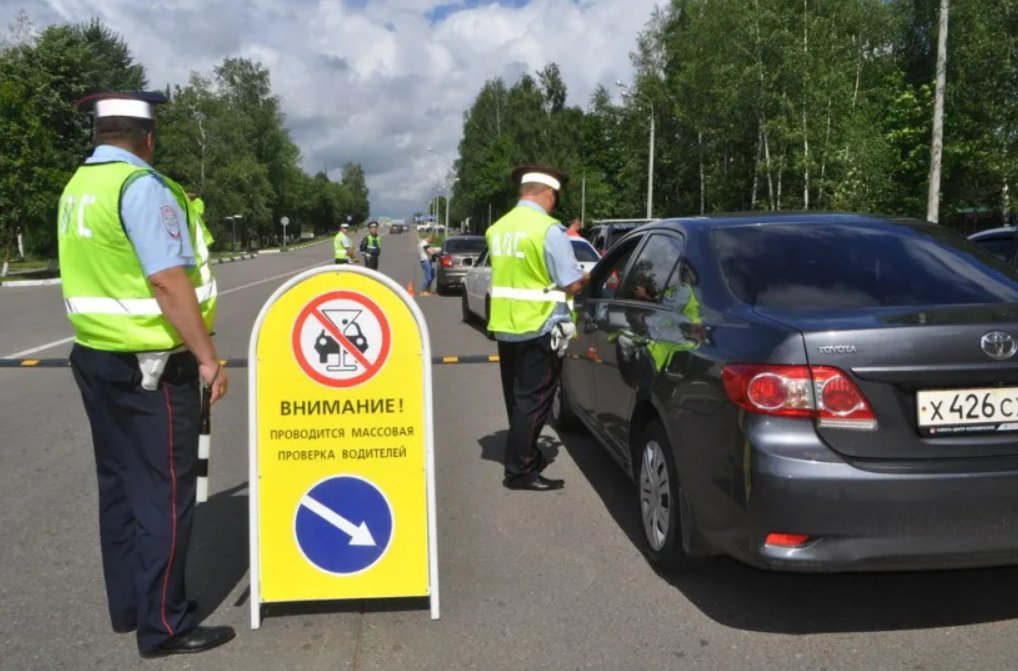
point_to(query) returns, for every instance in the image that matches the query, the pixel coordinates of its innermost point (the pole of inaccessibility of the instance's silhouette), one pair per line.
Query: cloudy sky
(373, 81)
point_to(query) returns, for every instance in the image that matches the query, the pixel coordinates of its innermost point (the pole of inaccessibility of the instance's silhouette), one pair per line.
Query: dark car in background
(604, 233)
(459, 254)
(998, 241)
(805, 392)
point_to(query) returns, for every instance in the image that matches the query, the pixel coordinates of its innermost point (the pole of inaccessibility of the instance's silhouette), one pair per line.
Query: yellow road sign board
(342, 498)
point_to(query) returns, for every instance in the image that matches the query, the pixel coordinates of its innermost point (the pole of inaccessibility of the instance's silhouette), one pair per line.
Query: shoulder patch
(171, 221)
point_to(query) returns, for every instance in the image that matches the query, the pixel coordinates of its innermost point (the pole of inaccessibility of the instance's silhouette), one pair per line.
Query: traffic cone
(410, 289)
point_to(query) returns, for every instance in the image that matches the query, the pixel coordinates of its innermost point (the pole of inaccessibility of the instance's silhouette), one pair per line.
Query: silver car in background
(459, 254)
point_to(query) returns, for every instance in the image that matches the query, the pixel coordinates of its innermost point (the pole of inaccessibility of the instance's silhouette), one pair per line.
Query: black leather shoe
(198, 639)
(533, 482)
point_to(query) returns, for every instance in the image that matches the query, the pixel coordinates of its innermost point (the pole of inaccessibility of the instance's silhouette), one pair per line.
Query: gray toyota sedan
(805, 392)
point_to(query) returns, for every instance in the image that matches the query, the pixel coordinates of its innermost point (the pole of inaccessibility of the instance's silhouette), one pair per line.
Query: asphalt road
(528, 580)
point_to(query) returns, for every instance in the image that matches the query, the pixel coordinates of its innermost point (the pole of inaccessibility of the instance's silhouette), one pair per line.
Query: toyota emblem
(999, 345)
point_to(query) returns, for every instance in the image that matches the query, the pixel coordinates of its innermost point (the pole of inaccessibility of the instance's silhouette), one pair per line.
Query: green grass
(30, 264)
(30, 269)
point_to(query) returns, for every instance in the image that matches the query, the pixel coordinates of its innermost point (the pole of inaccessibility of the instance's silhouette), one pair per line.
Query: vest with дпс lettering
(109, 301)
(521, 301)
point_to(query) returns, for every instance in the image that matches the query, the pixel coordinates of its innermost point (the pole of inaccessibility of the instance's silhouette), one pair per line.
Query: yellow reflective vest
(109, 301)
(522, 298)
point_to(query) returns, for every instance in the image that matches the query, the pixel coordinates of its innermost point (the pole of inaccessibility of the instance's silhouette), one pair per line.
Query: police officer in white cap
(533, 273)
(141, 298)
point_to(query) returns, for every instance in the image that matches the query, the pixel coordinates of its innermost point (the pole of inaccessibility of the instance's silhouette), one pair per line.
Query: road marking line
(269, 279)
(64, 341)
(19, 355)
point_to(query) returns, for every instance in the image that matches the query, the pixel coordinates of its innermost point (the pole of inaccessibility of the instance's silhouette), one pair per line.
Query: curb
(30, 283)
(278, 250)
(231, 259)
(216, 261)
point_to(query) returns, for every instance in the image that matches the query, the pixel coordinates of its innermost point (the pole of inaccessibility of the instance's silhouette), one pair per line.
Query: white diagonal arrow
(359, 535)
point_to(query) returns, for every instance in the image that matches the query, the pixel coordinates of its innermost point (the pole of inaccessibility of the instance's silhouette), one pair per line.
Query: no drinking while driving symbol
(341, 339)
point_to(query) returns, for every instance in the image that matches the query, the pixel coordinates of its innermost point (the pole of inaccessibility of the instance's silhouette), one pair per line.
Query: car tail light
(446, 261)
(787, 540)
(823, 393)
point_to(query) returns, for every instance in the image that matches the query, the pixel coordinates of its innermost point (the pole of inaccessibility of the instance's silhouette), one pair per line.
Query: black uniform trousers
(530, 371)
(371, 261)
(146, 449)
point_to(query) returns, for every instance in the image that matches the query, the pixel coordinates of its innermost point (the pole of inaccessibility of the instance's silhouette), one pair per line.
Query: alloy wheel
(656, 505)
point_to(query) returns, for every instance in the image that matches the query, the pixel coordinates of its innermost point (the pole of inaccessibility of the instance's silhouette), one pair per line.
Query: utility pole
(937, 148)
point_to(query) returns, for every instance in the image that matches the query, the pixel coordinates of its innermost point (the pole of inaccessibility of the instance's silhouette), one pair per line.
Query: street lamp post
(626, 93)
(448, 185)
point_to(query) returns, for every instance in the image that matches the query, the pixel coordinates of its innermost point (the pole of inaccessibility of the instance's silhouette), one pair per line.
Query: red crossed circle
(311, 311)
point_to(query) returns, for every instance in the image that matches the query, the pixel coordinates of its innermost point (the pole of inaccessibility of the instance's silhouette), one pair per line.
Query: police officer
(343, 246)
(371, 245)
(533, 271)
(141, 298)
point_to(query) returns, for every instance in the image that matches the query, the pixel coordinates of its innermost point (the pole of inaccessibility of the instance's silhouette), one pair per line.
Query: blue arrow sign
(343, 524)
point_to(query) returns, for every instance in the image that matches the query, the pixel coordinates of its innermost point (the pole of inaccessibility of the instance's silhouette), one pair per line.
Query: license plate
(966, 411)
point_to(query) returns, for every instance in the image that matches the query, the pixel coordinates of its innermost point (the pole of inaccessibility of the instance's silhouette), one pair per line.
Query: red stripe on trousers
(173, 511)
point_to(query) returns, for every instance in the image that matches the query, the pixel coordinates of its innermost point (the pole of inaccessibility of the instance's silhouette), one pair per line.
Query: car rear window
(822, 265)
(584, 252)
(465, 245)
(998, 245)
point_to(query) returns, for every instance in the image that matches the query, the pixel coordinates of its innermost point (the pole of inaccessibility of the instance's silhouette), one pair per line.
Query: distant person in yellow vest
(141, 297)
(371, 246)
(533, 273)
(343, 246)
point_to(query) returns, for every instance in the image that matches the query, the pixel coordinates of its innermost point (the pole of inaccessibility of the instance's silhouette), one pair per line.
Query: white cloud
(376, 84)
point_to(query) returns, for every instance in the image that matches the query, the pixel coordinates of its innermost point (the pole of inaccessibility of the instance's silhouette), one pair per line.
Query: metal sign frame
(429, 435)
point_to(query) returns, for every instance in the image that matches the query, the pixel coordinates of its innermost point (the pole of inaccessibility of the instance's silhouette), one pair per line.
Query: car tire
(563, 417)
(659, 496)
(467, 315)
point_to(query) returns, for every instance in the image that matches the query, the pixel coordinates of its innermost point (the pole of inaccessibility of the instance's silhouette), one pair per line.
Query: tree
(43, 137)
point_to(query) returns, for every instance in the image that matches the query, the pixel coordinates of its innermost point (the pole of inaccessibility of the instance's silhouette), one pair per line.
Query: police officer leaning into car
(533, 272)
(141, 298)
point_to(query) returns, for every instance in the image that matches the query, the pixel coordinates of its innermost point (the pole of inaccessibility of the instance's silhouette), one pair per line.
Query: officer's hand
(214, 377)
